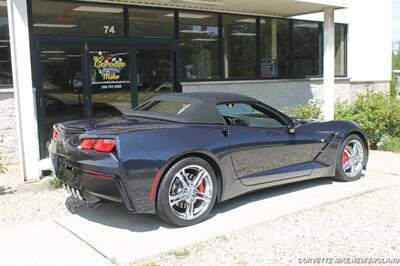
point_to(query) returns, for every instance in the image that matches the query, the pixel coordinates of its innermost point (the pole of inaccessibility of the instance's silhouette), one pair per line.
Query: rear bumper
(96, 176)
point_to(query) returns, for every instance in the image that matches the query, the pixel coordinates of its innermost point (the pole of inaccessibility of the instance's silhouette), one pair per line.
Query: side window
(245, 114)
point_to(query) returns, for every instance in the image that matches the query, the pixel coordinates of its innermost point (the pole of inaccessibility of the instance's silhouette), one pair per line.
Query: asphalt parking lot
(108, 234)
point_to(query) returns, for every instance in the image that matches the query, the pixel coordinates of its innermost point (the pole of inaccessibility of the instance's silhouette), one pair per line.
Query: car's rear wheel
(352, 159)
(187, 192)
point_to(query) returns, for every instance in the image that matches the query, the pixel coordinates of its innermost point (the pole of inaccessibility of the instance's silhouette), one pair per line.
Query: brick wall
(288, 93)
(8, 130)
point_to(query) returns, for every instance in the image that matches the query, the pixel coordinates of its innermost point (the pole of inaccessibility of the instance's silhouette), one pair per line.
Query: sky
(396, 20)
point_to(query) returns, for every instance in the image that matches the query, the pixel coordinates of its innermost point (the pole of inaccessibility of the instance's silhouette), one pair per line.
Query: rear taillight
(87, 144)
(100, 145)
(104, 145)
(54, 133)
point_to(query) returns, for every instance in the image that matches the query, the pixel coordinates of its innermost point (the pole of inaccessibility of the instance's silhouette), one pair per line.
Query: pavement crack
(113, 261)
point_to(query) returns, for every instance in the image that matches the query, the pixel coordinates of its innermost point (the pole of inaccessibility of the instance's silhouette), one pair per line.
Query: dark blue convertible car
(178, 154)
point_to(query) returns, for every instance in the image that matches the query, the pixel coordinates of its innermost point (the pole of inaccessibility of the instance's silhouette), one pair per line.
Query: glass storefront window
(110, 82)
(151, 23)
(240, 42)
(283, 47)
(198, 36)
(5, 56)
(306, 61)
(340, 46)
(77, 18)
(62, 86)
(287, 48)
(274, 47)
(268, 46)
(154, 72)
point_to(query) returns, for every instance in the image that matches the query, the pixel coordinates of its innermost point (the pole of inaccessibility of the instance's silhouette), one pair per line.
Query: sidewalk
(384, 162)
(109, 235)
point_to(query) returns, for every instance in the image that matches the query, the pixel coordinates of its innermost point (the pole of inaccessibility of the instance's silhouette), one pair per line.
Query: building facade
(64, 60)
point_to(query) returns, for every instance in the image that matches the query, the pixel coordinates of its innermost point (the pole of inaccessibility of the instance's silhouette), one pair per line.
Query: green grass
(147, 263)
(183, 253)
(222, 238)
(241, 262)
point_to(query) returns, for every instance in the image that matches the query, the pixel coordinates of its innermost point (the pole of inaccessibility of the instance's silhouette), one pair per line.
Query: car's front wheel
(351, 160)
(187, 192)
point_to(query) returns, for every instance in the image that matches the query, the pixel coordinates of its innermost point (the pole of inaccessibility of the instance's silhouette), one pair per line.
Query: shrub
(2, 169)
(310, 110)
(393, 87)
(390, 144)
(378, 114)
(55, 183)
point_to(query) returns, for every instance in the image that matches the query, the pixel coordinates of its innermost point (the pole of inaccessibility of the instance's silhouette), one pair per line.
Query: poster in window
(109, 71)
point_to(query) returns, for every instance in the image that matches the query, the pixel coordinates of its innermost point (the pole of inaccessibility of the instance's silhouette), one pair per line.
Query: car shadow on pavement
(115, 215)
(266, 193)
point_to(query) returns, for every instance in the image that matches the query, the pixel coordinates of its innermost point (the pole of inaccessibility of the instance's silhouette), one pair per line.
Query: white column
(24, 95)
(329, 64)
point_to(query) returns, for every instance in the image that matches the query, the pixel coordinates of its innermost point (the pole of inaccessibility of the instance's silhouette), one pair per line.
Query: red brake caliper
(201, 187)
(344, 158)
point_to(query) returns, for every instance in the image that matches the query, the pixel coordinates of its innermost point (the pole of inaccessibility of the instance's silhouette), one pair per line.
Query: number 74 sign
(109, 29)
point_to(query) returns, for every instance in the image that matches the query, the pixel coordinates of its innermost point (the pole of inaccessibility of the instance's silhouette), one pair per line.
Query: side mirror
(292, 127)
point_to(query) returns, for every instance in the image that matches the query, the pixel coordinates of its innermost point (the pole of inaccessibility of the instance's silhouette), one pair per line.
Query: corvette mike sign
(109, 71)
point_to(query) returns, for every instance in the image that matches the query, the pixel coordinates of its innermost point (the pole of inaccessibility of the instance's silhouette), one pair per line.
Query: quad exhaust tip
(76, 193)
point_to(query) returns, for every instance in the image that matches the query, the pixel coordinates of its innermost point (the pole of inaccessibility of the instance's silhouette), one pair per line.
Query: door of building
(61, 91)
(95, 80)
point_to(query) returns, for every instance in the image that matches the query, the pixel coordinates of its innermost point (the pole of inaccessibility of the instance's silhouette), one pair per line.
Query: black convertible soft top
(202, 109)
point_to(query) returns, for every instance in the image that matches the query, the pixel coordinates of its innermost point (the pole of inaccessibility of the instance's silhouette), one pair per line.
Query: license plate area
(68, 173)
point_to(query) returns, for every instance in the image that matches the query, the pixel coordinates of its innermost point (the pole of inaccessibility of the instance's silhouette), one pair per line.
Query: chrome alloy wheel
(190, 192)
(353, 158)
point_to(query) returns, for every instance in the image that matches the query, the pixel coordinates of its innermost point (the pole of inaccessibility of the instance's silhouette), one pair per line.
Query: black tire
(163, 208)
(341, 175)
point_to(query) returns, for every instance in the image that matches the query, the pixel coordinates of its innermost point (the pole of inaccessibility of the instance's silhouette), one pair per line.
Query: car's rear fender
(147, 155)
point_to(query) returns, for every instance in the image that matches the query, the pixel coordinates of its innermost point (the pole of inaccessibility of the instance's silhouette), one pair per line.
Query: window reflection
(151, 23)
(284, 46)
(62, 86)
(240, 46)
(306, 48)
(198, 35)
(154, 72)
(5, 56)
(340, 46)
(268, 48)
(287, 48)
(66, 18)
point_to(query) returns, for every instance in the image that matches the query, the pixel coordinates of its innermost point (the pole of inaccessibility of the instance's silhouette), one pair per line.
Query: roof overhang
(276, 8)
